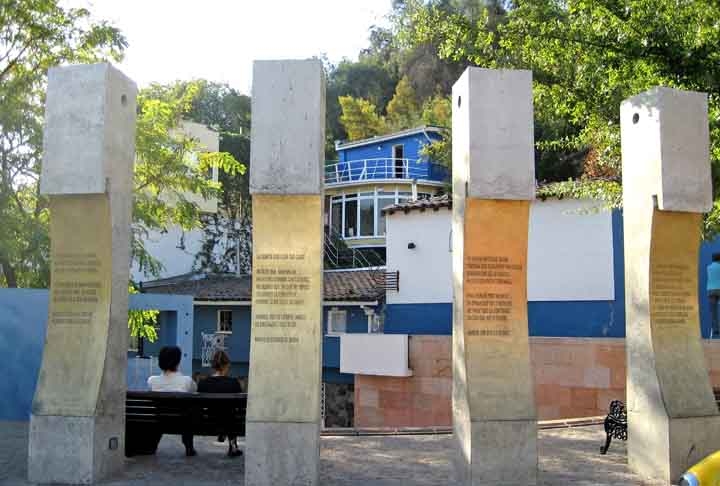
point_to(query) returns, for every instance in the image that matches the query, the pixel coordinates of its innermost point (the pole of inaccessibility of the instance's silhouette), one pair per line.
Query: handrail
(378, 168)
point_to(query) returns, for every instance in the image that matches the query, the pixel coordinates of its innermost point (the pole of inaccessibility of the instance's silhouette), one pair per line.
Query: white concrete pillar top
(87, 107)
(493, 141)
(666, 149)
(288, 134)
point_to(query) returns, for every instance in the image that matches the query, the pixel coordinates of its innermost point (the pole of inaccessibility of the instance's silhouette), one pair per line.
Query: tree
(35, 35)
(403, 110)
(360, 118)
(586, 57)
(168, 168)
(365, 79)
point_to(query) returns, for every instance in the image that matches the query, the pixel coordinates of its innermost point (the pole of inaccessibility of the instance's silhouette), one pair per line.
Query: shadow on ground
(567, 456)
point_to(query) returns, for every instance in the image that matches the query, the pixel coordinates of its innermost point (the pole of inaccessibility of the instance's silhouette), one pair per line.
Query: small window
(224, 321)
(337, 321)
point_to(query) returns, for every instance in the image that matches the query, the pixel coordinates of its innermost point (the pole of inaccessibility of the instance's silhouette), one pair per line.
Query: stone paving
(567, 456)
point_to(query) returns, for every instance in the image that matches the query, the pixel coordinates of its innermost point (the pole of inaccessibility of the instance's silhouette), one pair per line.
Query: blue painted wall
(205, 320)
(23, 324)
(418, 318)
(23, 321)
(412, 145)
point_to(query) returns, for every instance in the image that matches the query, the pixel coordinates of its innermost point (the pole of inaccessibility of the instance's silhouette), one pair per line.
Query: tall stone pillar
(673, 420)
(287, 147)
(494, 420)
(77, 425)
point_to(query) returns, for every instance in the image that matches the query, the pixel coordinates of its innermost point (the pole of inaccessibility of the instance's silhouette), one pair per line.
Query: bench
(615, 424)
(616, 421)
(210, 414)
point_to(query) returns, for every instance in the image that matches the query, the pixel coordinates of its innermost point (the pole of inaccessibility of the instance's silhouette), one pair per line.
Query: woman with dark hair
(171, 380)
(220, 382)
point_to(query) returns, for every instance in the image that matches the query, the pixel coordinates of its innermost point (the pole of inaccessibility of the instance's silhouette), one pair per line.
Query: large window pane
(367, 217)
(383, 202)
(337, 217)
(351, 228)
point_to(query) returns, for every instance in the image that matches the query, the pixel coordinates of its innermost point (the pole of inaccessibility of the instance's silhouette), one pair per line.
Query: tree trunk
(8, 271)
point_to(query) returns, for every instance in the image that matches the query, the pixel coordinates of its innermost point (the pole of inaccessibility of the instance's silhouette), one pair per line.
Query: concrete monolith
(494, 420)
(287, 146)
(78, 416)
(673, 420)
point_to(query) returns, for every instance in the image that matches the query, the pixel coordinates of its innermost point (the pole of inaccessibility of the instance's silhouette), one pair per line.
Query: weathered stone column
(287, 147)
(78, 418)
(673, 420)
(494, 417)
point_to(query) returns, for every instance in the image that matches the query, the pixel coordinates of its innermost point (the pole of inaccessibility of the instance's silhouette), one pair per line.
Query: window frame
(330, 330)
(218, 328)
(391, 195)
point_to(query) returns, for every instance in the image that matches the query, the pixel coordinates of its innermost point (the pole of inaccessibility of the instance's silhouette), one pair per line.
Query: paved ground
(567, 456)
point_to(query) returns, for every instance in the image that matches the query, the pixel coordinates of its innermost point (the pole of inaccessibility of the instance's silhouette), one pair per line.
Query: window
(336, 217)
(367, 217)
(224, 321)
(337, 321)
(351, 228)
(360, 215)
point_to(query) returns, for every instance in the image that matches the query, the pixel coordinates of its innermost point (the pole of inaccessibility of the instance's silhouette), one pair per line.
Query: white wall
(570, 254)
(426, 271)
(164, 247)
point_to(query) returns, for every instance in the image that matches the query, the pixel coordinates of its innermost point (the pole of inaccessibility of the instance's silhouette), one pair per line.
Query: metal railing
(382, 168)
(338, 255)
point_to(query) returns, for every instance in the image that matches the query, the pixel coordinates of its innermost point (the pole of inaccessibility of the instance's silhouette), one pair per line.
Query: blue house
(372, 174)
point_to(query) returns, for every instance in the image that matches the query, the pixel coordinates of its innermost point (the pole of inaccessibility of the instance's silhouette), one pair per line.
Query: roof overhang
(390, 136)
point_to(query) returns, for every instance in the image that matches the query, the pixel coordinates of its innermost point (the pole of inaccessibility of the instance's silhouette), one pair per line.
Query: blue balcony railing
(384, 169)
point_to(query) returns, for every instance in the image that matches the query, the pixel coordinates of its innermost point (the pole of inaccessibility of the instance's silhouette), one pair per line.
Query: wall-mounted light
(411, 246)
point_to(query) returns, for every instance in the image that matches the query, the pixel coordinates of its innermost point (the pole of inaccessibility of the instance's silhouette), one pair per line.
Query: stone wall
(339, 404)
(574, 377)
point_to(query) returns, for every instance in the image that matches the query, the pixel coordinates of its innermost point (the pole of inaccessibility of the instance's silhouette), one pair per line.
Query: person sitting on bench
(220, 382)
(173, 381)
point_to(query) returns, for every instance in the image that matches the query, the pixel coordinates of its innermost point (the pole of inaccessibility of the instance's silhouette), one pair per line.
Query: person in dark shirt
(220, 382)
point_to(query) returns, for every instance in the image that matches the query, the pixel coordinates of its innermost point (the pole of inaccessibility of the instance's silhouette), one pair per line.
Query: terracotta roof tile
(355, 285)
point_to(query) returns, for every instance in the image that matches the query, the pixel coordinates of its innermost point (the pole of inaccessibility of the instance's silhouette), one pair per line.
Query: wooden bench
(150, 413)
(616, 421)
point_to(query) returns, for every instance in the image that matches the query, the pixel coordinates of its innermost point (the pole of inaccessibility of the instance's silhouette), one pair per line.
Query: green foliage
(368, 79)
(403, 110)
(142, 322)
(226, 110)
(360, 118)
(35, 35)
(170, 167)
(586, 57)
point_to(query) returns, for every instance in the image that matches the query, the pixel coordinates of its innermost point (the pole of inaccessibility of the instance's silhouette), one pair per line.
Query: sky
(218, 39)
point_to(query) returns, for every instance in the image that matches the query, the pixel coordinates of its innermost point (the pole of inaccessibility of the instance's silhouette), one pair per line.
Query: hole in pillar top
(459, 101)
(636, 118)
(123, 100)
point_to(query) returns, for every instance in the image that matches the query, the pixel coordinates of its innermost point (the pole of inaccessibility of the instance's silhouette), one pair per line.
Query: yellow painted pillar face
(674, 313)
(286, 336)
(79, 314)
(495, 323)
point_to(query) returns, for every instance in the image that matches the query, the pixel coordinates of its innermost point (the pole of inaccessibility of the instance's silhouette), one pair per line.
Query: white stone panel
(288, 106)
(89, 128)
(493, 134)
(666, 146)
(374, 354)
